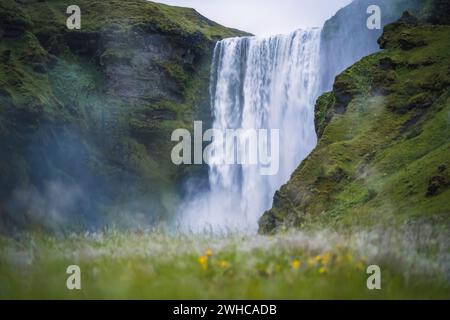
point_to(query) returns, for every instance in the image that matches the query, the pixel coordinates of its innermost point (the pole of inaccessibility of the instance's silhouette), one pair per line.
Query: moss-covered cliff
(383, 154)
(345, 38)
(86, 115)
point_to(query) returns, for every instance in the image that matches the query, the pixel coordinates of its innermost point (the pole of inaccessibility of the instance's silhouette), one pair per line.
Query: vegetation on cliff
(384, 139)
(345, 38)
(86, 115)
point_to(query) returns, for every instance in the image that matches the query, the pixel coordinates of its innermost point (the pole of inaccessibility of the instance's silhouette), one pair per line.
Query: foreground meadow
(414, 263)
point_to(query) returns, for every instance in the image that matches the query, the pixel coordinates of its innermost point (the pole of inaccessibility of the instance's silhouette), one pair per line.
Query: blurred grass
(158, 265)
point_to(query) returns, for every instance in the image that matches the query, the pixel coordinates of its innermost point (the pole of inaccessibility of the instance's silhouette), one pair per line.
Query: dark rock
(323, 112)
(13, 21)
(398, 34)
(344, 92)
(6, 55)
(4, 93)
(13, 32)
(408, 19)
(154, 69)
(387, 64)
(408, 44)
(383, 81)
(338, 175)
(436, 185)
(422, 100)
(268, 223)
(440, 12)
(162, 115)
(39, 68)
(83, 43)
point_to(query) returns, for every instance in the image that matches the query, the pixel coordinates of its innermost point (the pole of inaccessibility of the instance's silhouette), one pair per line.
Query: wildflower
(208, 253)
(318, 258)
(326, 258)
(311, 262)
(296, 264)
(203, 262)
(223, 264)
(322, 270)
(360, 265)
(349, 256)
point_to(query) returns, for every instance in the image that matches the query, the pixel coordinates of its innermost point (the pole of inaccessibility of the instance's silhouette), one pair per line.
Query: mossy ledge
(86, 115)
(383, 155)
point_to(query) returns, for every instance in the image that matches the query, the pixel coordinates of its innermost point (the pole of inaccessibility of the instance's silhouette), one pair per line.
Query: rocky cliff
(384, 137)
(86, 115)
(346, 38)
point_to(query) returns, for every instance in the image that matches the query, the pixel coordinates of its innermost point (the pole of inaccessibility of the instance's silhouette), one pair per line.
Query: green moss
(95, 107)
(119, 14)
(177, 72)
(12, 18)
(157, 265)
(384, 147)
(322, 114)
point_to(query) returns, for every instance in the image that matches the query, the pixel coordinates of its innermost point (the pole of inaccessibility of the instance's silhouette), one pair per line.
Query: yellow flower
(203, 262)
(360, 265)
(349, 256)
(223, 264)
(311, 262)
(318, 258)
(326, 258)
(296, 264)
(208, 253)
(322, 270)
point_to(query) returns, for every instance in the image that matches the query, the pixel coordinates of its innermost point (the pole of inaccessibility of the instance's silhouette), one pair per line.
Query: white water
(258, 83)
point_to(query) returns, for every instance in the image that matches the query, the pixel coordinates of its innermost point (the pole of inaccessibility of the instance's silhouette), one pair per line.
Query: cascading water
(258, 83)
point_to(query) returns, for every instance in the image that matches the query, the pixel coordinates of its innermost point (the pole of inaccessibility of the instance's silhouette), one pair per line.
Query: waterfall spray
(258, 83)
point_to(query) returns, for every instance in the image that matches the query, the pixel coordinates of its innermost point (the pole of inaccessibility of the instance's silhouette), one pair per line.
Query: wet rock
(422, 100)
(407, 43)
(440, 12)
(408, 19)
(344, 91)
(382, 82)
(13, 22)
(83, 43)
(436, 185)
(5, 56)
(387, 63)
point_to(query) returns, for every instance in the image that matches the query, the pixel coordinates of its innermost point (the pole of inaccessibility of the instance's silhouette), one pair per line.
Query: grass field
(414, 264)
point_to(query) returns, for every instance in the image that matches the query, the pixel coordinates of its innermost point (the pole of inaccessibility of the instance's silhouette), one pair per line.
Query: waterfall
(258, 83)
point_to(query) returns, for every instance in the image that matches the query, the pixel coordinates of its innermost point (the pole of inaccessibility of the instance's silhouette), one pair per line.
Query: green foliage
(95, 107)
(322, 115)
(385, 137)
(156, 265)
(126, 15)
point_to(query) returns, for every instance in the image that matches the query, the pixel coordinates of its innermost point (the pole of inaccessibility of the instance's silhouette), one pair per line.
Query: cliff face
(346, 39)
(86, 115)
(384, 138)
